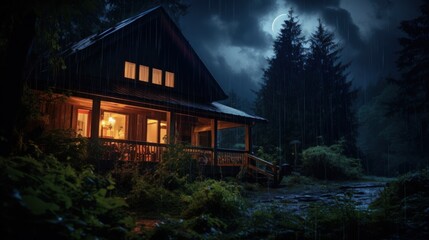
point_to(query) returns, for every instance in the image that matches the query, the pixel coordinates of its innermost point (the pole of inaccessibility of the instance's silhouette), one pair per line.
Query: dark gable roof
(86, 42)
(215, 92)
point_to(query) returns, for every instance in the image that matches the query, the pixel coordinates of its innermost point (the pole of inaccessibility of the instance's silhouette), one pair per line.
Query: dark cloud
(234, 81)
(218, 24)
(343, 24)
(237, 20)
(373, 58)
(334, 16)
(313, 5)
(242, 18)
(381, 7)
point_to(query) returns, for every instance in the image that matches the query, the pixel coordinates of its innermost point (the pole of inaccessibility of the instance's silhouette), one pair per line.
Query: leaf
(37, 206)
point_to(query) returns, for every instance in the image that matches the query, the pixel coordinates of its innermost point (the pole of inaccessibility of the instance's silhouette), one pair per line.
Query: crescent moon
(275, 19)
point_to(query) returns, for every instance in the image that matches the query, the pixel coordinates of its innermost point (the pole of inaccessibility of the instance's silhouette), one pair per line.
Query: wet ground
(297, 199)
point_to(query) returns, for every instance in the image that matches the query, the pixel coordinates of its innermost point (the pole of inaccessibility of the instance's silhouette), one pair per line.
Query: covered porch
(214, 135)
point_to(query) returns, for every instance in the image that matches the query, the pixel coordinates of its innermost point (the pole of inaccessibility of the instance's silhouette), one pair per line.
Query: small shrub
(173, 229)
(64, 145)
(338, 221)
(124, 174)
(296, 179)
(214, 198)
(271, 223)
(175, 169)
(404, 205)
(273, 156)
(204, 224)
(329, 163)
(147, 196)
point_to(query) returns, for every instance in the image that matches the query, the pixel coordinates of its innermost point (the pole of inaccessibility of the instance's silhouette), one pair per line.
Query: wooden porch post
(95, 118)
(214, 141)
(248, 140)
(171, 119)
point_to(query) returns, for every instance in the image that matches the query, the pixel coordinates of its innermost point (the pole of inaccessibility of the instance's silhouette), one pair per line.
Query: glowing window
(82, 128)
(130, 70)
(113, 125)
(156, 76)
(169, 79)
(144, 73)
(154, 129)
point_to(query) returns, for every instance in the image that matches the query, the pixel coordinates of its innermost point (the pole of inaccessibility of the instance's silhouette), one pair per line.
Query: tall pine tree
(280, 99)
(329, 97)
(412, 100)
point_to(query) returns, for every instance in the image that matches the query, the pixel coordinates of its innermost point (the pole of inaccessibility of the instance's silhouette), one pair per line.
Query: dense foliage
(388, 142)
(394, 116)
(45, 199)
(403, 205)
(330, 163)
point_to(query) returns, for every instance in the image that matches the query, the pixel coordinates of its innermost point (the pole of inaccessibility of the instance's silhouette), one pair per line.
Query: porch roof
(213, 109)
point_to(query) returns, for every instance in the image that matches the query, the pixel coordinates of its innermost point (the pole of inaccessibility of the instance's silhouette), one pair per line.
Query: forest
(331, 134)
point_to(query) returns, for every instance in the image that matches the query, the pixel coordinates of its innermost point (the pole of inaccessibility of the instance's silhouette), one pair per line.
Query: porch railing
(124, 150)
(204, 156)
(227, 157)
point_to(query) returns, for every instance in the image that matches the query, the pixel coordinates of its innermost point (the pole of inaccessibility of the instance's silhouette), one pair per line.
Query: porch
(124, 151)
(214, 135)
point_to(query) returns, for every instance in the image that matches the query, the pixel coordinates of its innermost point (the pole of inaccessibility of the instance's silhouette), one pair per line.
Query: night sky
(234, 37)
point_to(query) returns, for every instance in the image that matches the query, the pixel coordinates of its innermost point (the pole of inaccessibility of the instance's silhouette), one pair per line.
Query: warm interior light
(114, 125)
(110, 123)
(112, 120)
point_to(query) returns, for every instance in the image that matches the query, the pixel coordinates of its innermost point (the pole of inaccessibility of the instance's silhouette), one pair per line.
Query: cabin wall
(59, 115)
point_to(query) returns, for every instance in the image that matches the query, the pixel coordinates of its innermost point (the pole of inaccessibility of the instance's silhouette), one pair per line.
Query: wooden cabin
(139, 86)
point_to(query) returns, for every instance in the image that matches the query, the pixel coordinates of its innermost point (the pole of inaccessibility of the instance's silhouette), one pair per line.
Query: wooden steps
(260, 170)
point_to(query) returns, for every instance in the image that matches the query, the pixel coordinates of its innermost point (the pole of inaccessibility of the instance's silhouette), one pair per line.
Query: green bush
(125, 174)
(403, 206)
(329, 163)
(46, 199)
(152, 198)
(161, 190)
(175, 169)
(273, 156)
(210, 208)
(64, 145)
(214, 198)
(340, 220)
(296, 179)
(271, 223)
